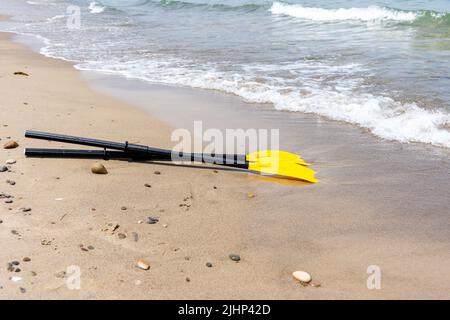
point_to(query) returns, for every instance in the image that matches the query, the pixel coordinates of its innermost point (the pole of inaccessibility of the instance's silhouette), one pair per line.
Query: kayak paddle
(271, 162)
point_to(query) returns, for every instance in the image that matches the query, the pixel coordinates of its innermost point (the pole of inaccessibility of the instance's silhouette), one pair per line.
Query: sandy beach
(384, 205)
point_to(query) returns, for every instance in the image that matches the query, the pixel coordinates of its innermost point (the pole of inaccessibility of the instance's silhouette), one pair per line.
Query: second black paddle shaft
(141, 151)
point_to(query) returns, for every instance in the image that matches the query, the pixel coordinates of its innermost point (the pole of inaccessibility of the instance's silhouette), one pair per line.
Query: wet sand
(378, 203)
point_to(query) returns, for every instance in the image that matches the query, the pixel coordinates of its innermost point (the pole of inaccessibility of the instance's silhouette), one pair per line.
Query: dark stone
(234, 257)
(152, 220)
(209, 264)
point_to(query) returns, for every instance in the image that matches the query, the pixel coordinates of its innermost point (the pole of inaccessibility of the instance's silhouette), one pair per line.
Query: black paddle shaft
(134, 150)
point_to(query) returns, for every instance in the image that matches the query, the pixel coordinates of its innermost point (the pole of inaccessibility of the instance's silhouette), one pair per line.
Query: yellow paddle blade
(280, 163)
(282, 156)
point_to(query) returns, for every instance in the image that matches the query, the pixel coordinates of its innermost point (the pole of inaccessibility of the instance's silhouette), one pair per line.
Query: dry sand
(328, 229)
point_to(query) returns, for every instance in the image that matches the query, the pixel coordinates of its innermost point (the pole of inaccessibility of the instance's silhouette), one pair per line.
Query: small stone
(15, 279)
(152, 220)
(250, 195)
(26, 259)
(157, 172)
(165, 225)
(140, 221)
(121, 235)
(11, 182)
(33, 273)
(84, 249)
(46, 242)
(3, 168)
(148, 185)
(21, 73)
(90, 247)
(22, 290)
(98, 168)
(209, 264)
(15, 232)
(315, 284)
(8, 201)
(188, 279)
(10, 145)
(302, 276)
(25, 209)
(15, 263)
(10, 161)
(142, 264)
(111, 227)
(123, 208)
(17, 270)
(234, 257)
(61, 274)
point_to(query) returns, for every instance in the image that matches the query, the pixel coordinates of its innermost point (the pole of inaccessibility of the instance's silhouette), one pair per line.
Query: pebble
(123, 208)
(11, 182)
(33, 273)
(157, 172)
(90, 247)
(25, 209)
(302, 276)
(21, 73)
(148, 185)
(10, 145)
(315, 284)
(250, 195)
(3, 168)
(22, 290)
(140, 221)
(8, 201)
(142, 264)
(61, 274)
(152, 220)
(121, 235)
(209, 264)
(10, 161)
(234, 257)
(15, 263)
(98, 168)
(26, 259)
(15, 279)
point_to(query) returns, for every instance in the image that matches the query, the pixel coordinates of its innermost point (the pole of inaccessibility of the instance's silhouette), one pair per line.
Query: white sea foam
(383, 116)
(96, 7)
(372, 13)
(54, 18)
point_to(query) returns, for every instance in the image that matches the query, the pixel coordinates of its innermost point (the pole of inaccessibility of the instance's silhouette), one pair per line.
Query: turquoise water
(382, 65)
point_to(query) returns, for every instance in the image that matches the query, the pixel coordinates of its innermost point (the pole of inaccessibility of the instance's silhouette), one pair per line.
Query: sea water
(381, 65)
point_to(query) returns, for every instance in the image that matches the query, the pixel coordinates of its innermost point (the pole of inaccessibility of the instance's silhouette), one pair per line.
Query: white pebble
(142, 264)
(15, 279)
(10, 161)
(302, 276)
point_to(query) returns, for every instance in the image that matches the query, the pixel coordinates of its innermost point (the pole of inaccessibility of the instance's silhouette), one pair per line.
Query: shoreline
(349, 221)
